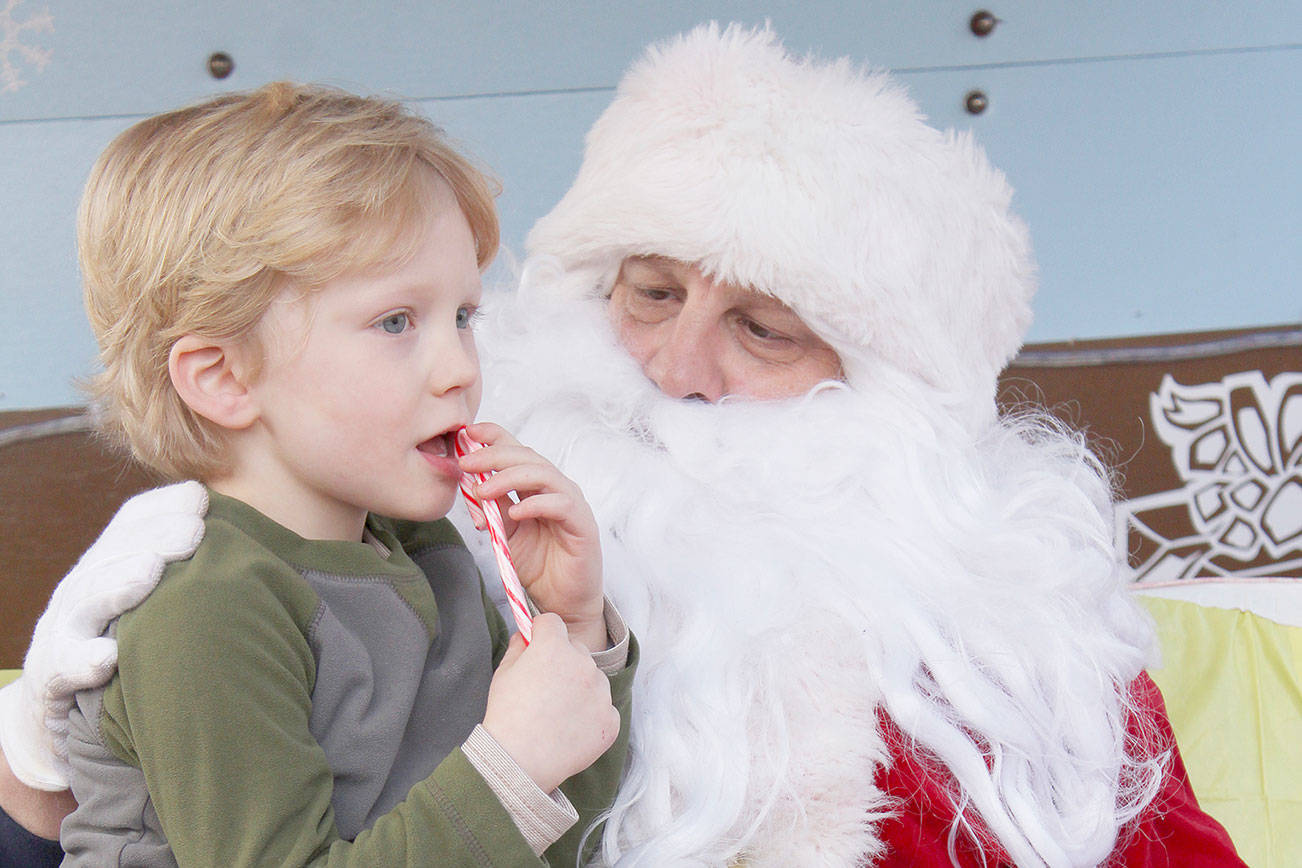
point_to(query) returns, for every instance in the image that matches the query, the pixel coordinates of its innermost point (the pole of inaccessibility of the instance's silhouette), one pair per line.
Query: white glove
(68, 652)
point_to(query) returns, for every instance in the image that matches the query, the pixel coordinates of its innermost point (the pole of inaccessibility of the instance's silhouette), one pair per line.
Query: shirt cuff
(541, 817)
(614, 658)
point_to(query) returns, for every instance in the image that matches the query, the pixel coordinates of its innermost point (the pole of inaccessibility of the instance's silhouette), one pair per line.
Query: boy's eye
(465, 317)
(394, 323)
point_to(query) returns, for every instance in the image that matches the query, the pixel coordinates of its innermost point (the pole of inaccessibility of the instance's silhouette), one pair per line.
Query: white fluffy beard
(790, 567)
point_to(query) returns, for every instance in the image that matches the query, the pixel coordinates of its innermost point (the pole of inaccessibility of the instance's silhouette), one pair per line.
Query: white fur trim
(814, 182)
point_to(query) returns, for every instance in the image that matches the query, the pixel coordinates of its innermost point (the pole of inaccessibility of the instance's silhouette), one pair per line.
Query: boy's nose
(456, 367)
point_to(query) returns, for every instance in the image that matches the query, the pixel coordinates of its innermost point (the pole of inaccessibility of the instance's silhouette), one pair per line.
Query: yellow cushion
(7, 675)
(1232, 682)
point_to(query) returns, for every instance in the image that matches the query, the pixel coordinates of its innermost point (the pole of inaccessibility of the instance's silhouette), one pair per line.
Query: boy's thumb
(513, 651)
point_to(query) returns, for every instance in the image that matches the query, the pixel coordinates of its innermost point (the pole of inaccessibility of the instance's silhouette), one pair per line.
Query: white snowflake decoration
(1237, 446)
(12, 49)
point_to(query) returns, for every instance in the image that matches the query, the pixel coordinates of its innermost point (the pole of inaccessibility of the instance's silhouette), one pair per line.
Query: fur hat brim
(816, 183)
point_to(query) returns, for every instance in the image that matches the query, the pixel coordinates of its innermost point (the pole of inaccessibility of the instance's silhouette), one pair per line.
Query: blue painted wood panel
(1163, 195)
(142, 56)
(1152, 146)
(45, 340)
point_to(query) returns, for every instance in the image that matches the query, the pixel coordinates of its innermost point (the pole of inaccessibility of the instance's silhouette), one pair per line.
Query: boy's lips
(440, 451)
(439, 446)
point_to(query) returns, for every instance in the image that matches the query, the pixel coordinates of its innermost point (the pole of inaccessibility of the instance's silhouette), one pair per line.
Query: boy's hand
(549, 705)
(553, 536)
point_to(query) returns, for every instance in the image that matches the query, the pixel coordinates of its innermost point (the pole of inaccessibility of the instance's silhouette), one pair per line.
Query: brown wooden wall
(1226, 490)
(56, 492)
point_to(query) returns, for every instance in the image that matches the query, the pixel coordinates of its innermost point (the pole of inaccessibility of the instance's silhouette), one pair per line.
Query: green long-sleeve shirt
(281, 701)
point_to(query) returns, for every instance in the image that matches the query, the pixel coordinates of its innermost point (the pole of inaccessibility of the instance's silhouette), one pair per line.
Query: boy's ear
(212, 380)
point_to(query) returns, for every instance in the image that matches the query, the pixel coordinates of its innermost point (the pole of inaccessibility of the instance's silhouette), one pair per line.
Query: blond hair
(192, 221)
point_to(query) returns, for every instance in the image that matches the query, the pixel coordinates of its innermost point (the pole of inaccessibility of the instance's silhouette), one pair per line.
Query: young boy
(283, 284)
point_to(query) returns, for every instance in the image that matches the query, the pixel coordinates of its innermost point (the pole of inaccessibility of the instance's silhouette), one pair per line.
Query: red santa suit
(1172, 832)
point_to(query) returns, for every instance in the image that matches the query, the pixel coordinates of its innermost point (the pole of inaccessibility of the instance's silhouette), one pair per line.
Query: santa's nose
(689, 364)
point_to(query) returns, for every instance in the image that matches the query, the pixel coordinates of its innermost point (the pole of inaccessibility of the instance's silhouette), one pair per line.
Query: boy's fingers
(498, 457)
(548, 626)
(526, 479)
(550, 506)
(490, 434)
(610, 731)
(513, 650)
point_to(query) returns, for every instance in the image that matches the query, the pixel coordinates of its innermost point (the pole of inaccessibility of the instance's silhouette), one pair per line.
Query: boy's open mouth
(439, 446)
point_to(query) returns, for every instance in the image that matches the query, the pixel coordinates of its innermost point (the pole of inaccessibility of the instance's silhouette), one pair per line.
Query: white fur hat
(813, 182)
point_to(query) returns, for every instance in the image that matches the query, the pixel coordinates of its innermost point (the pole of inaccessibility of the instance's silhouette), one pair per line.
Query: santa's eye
(655, 293)
(466, 317)
(760, 332)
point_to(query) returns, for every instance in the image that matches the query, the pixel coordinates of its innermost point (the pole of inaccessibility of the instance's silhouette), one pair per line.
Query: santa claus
(881, 623)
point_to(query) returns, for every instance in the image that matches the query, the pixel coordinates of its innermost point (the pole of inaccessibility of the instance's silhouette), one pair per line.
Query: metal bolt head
(220, 64)
(976, 102)
(983, 22)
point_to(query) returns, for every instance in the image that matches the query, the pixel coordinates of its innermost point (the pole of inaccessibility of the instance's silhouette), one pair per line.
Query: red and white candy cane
(487, 511)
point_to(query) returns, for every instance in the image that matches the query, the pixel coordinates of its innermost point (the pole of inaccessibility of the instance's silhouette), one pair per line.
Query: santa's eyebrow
(763, 305)
(662, 267)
